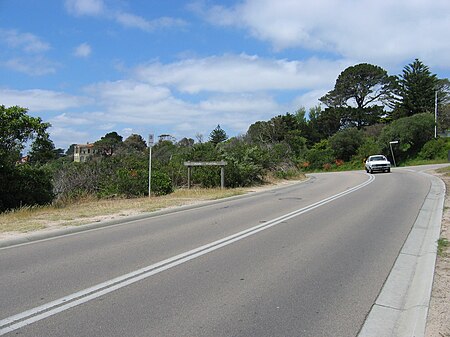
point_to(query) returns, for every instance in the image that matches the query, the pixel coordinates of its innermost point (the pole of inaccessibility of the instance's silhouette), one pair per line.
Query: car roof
(378, 156)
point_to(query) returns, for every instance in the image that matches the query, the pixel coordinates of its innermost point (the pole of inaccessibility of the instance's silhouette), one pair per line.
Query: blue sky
(181, 67)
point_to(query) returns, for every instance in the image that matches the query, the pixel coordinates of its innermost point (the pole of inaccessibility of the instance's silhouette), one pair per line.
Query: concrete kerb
(122, 221)
(402, 306)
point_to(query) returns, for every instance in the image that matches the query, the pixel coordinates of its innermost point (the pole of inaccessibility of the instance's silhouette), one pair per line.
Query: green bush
(435, 149)
(245, 163)
(411, 132)
(161, 183)
(25, 185)
(128, 183)
(319, 155)
(345, 143)
(369, 147)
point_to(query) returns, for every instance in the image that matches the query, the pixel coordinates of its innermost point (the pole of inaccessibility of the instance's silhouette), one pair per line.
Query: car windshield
(377, 158)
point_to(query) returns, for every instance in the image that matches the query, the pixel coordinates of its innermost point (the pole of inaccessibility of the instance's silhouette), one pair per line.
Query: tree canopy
(21, 184)
(218, 135)
(108, 144)
(358, 90)
(43, 150)
(16, 128)
(417, 89)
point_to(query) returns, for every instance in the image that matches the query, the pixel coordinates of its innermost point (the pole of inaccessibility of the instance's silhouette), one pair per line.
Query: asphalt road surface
(304, 260)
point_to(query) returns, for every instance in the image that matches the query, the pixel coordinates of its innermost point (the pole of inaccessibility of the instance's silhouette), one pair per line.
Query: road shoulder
(402, 306)
(438, 322)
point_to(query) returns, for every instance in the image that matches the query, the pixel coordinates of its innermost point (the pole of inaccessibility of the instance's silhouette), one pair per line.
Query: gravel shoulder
(438, 322)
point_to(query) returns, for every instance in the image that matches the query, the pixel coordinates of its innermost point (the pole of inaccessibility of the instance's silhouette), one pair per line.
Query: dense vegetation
(364, 111)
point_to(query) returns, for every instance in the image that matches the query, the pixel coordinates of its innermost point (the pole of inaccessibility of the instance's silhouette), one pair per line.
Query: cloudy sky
(181, 67)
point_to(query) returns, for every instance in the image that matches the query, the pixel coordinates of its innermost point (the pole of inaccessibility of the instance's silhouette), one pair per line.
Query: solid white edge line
(49, 309)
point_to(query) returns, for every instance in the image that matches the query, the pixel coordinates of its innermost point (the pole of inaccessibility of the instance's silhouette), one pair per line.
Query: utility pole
(435, 113)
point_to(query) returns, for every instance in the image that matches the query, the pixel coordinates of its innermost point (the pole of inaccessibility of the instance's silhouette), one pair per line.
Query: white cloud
(63, 137)
(83, 50)
(97, 8)
(241, 73)
(37, 100)
(127, 92)
(379, 31)
(31, 51)
(85, 7)
(66, 119)
(26, 42)
(37, 66)
(135, 21)
(309, 99)
(232, 90)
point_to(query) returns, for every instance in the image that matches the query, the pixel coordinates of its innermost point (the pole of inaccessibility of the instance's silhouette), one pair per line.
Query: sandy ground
(438, 324)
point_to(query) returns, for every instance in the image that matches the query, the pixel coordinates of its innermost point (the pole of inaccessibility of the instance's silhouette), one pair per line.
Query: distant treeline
(364, 111)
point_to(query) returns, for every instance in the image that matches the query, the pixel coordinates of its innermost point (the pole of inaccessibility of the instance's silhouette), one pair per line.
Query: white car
(377, 163)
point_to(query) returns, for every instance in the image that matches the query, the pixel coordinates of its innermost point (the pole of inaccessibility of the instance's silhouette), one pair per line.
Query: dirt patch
(438, 322)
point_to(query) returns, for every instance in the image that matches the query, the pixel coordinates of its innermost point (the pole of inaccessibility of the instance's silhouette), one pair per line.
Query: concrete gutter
(402, 306)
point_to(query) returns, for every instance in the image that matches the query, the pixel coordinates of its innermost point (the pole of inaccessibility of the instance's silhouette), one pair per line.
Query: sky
(90, 67)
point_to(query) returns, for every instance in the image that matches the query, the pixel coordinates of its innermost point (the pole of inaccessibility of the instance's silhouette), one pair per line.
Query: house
(82, 152)
(23, 160)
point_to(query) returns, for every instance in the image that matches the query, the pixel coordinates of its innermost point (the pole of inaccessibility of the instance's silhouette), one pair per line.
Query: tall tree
(20, 184)
(218, 135)
(417, 90)
(108, 144)
(16, 128)
(43, 150)
(359, 90)
(135, 142)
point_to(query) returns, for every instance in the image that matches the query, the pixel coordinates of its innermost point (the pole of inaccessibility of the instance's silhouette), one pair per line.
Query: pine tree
(218, 135)
(417, 90)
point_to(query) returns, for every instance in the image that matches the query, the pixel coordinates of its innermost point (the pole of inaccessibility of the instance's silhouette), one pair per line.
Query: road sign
(151, 139)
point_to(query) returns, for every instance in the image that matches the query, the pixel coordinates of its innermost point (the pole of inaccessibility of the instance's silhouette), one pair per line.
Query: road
(304, 260)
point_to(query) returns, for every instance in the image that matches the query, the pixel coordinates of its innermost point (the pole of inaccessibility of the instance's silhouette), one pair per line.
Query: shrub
(25, 185)
(126, 182)
(345, 143)
(288, 173)
(74, 180)
(435, 149)
(411, 132)
(245, 163)
(319, 155)
(161, 183)
(368, 147)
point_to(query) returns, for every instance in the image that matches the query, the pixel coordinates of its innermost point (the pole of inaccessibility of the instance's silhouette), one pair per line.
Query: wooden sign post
(222, 165)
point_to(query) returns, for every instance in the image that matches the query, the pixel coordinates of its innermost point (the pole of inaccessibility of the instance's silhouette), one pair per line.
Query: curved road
(304, 260)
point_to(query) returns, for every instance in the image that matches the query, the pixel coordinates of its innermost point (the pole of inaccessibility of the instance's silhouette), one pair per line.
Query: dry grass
(91, 210)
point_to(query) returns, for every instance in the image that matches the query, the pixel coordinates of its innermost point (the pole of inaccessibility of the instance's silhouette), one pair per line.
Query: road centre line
(30, 316)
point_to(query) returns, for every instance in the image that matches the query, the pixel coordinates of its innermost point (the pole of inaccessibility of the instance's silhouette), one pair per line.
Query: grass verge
(444, 170)
(90, 209)
(442, 247)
